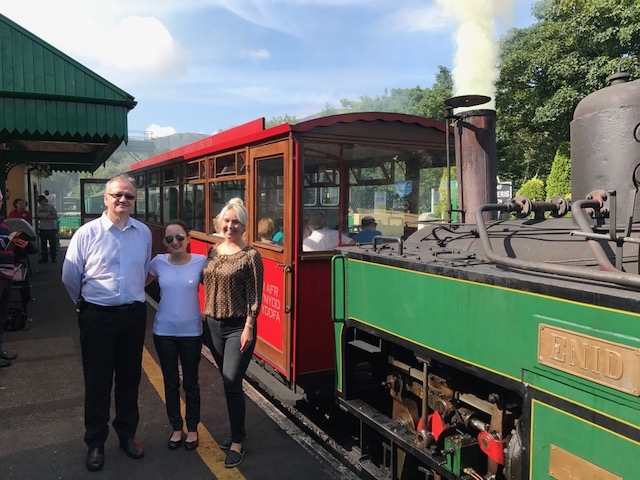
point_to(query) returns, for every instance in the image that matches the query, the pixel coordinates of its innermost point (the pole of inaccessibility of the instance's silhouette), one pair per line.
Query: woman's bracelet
(249, 325)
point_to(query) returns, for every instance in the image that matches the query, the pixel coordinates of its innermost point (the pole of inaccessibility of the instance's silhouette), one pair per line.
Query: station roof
(53, 110)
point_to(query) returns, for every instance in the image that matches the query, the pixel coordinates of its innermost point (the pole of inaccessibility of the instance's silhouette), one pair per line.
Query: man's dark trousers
(112, 342)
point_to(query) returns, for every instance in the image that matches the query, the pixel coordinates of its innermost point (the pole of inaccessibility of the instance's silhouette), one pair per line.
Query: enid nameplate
(607, 363)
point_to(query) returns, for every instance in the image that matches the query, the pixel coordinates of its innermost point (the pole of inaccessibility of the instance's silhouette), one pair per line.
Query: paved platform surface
(41, 412)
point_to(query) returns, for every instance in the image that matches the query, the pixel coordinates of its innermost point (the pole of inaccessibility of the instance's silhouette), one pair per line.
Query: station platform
(41, 412)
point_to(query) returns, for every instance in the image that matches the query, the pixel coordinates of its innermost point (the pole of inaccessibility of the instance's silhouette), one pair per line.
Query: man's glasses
(179, 237)
(128, 196)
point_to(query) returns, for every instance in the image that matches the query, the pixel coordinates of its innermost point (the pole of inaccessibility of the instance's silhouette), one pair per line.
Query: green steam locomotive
(506, 346)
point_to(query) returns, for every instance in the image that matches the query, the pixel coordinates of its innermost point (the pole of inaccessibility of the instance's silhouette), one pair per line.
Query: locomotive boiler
(507, 346)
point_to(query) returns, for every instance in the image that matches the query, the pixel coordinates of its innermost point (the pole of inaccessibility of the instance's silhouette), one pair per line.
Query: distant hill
(176, 140)
(141, 148)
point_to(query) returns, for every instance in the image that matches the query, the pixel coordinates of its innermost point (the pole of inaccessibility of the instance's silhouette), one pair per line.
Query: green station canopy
(53, 110)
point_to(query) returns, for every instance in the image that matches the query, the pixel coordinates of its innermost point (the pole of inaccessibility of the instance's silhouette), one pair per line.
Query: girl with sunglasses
(177, 330)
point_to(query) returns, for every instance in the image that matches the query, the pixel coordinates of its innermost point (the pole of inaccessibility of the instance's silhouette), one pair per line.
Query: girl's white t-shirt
(179, 309)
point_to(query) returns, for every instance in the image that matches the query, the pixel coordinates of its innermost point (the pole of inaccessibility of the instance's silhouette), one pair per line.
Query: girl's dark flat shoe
(174, 444)
(191, 445)
(234, 458)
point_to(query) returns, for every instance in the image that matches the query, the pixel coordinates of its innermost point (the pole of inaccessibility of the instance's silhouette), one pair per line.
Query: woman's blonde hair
(266, 228)
(237, 205)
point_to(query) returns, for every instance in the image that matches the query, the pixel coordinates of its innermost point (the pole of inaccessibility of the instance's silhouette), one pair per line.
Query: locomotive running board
(396, 434)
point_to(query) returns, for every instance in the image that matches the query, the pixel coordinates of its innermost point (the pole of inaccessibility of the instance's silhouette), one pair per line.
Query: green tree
(547, 68)
(534, 189)
(280, 120)
(425, 102)
(440, 210)
(432, 102)
(559, 180)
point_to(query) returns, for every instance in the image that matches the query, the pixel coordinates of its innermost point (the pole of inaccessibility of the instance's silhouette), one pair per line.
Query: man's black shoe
(5, 363)
(95, 459)
(8, 356)
(132, 447)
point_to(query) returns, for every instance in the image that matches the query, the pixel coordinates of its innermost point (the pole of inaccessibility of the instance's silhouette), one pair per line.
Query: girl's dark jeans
(225, 348)
(187, 351)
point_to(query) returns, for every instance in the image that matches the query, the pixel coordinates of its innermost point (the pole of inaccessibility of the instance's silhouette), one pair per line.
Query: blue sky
(207, 65)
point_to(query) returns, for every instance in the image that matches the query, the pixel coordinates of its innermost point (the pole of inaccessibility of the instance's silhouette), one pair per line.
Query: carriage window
(269, 197)
(396, 187)
(139, 181)
(169, 175)
(153, 205)
(193, 171)
(220, 193)
(325, 221)
(193, 208)
(169, 204)
(141, 203)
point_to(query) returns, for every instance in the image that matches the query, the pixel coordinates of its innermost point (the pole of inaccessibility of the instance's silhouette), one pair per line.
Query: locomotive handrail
(334, 303)
(577, 209)
(382, 239)
(617, 277)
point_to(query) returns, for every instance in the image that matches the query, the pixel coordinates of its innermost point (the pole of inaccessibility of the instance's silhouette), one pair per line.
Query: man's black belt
(113, 309)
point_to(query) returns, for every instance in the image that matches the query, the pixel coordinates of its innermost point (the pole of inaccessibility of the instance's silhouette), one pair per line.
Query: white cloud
(103, 36)
(260, 54)
(423, 18)
(156, 131)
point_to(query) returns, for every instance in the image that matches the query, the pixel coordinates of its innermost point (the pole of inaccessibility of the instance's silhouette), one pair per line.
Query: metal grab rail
(616, 277)
(334, 285)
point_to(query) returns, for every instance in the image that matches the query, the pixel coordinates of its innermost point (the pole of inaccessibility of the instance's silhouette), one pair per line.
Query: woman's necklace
(179, 260)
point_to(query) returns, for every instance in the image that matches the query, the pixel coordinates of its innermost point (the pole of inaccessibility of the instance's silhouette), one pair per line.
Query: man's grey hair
(123, 177)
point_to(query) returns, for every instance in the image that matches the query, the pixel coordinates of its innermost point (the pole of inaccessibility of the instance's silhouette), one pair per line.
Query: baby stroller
(21, 282)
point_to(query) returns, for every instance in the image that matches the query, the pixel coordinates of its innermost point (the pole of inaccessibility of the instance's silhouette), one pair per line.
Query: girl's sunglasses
(179, 237)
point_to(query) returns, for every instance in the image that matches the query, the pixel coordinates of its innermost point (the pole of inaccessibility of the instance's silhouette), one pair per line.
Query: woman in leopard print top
(233, 292)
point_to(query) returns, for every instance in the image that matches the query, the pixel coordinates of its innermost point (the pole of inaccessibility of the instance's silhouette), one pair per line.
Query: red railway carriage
(342, 167)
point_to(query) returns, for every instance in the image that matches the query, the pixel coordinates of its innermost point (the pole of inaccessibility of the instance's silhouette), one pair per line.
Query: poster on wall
(380, 202)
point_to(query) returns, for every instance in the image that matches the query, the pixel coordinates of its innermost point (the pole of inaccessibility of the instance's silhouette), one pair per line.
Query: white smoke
(475, 69)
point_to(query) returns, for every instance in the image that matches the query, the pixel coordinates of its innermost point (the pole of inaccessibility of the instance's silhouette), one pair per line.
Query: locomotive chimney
(475, 147)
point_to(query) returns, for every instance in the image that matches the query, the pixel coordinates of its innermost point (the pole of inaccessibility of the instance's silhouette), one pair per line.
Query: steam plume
(475, 69)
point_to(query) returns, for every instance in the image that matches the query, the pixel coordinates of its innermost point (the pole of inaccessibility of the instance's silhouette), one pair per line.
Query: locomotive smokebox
(605, 133)
(475, 146)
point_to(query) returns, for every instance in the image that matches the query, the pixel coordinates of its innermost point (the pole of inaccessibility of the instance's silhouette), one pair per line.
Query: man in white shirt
(321, 237)
(104, 271)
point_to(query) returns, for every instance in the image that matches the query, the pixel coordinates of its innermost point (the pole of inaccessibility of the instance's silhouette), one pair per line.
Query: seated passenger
(322, 238)
(266, 229)
(367, 231)
(278, 237)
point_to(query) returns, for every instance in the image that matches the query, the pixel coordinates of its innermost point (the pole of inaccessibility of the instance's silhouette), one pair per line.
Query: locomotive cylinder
(605, 133)
(475, 146)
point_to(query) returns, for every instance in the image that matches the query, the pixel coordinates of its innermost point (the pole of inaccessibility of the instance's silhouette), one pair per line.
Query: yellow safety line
(208, 449)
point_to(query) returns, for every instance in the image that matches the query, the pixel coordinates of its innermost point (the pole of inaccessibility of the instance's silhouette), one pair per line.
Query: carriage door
(91, 198)
(271, 234)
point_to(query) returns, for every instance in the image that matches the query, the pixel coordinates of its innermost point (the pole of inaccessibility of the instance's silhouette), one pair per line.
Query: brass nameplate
(566, 466)
(607, 363)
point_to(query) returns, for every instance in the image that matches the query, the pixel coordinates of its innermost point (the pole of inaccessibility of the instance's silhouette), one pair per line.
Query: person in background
(104, 271)
(20, 210)
(47, 228)
(7, 268)
(368, 230)
(233, 293)
(278, 237)
(321, 237)
(266, 229)
(177, 330)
